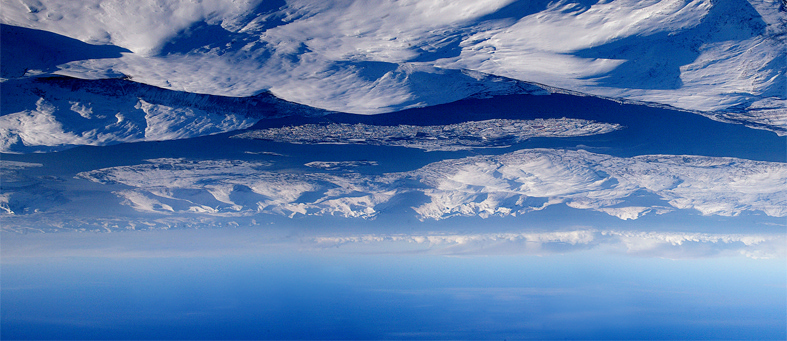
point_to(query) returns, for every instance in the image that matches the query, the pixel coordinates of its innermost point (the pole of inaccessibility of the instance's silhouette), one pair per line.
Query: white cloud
(644, 243)
(682, 244)
(251, 241)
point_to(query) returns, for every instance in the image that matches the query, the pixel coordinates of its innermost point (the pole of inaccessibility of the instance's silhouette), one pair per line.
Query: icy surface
(381, 56)
(509, 184)
(452, 137)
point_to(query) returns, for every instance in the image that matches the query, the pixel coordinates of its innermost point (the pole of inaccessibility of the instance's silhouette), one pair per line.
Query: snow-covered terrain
(723, 58)
(452, 137)
(24, 195)
(44, 115)
(158, 71)
(534, 179)
(504, 185)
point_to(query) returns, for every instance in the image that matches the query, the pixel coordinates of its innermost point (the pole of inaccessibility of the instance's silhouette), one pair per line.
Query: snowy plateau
(148, 114)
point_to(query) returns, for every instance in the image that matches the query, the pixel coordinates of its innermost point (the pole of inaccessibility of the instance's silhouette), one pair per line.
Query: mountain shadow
(654, 61)
(204, 36)
(26, 49)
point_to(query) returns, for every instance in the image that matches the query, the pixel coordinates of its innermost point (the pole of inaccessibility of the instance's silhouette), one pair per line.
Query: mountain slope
(724, 58)
(51, 114)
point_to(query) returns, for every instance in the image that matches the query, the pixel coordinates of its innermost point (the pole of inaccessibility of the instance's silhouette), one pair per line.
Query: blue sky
(192, 290)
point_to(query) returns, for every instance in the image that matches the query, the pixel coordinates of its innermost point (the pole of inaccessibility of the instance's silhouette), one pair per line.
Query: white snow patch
(339, 165)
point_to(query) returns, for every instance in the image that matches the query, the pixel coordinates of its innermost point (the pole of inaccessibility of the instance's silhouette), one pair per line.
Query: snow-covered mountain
(483, 186)
(504, 108)
(725, 59)
(504, 185)
(57, 113)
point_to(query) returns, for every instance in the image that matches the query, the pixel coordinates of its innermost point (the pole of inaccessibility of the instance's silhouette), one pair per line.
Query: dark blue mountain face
(648, 130)
(126, 92)
(27, 49)
(521, 8)
(201, 36)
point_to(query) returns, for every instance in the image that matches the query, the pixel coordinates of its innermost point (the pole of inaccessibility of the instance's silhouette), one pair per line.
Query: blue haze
(333, 295)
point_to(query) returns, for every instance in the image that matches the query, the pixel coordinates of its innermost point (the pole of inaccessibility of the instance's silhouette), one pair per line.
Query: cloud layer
(251, 241)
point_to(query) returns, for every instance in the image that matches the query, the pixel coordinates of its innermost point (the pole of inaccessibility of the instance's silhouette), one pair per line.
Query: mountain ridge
(726, 60)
